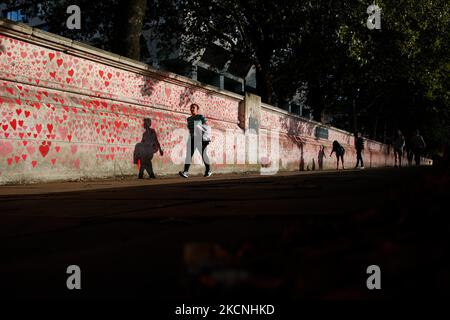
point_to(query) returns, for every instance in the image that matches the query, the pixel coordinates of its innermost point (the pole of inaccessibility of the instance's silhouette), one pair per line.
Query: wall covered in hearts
(71, 112)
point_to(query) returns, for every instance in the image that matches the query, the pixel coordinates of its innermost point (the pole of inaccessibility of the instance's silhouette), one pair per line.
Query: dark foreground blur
(269, 239)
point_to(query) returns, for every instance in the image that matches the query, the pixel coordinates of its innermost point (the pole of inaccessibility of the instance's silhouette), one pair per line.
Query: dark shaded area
(266, 238)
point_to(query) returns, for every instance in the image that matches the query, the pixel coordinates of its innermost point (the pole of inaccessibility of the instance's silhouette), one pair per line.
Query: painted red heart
(38, 128)
(13, 124)
(100, 72)
(70, 72)
(59, 62)
(43, 149)
(34, 163)
(51, 56)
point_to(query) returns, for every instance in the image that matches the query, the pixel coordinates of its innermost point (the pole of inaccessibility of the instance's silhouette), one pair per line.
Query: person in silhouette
(399, 144)
(144, 150)
(359, 146)
(418, 146)
(340, 151)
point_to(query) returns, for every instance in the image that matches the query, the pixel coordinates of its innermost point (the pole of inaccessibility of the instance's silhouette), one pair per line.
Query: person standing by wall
(340, 151)
(418, 146)
(399, 144)
(359, 146)
(199, 139)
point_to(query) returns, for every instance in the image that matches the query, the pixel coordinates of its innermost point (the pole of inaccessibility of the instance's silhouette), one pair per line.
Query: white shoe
(183, 174)
(208, 174)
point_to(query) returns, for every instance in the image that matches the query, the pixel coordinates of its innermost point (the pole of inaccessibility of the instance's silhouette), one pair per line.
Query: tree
(259, 30)
(113, 25)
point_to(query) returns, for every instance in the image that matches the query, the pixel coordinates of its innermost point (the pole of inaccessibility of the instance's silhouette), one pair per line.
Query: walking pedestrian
(359, 146)
(199, 139)
(399, 144)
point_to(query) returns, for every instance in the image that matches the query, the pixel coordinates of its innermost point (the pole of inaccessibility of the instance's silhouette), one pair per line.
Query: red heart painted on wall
(13, 124)
(59, 62)
(100, 72)
(34, 163)
(70, 72)
(43, 149)
(38, 128)
(51, 56)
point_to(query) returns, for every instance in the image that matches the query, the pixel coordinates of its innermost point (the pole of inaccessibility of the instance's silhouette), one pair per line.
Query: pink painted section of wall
(65, 117)
(300, 148)
(72, 115)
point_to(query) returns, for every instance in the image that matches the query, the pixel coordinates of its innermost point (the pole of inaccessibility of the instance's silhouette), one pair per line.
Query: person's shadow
(144, 150)
(320, 157)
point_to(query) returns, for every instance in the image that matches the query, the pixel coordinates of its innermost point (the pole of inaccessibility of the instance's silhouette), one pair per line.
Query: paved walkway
(289, 236)
(131, 181)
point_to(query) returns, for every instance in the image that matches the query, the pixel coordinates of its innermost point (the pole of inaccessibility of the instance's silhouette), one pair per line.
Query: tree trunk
(128, 26)
(264, 85)
(375, 127)
(355, 117)
(317, 103)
